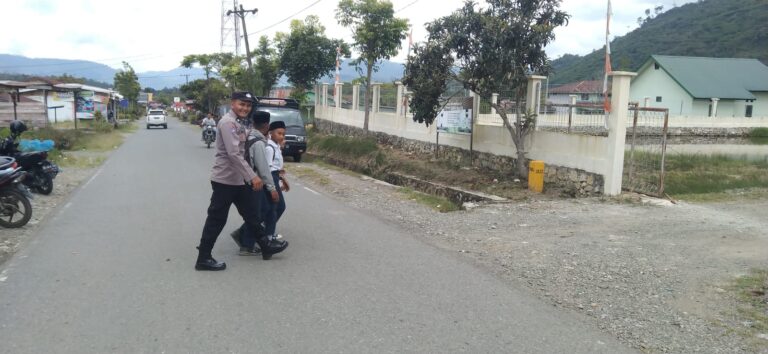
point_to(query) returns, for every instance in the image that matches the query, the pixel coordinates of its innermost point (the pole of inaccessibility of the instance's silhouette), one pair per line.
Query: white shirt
(274, 156)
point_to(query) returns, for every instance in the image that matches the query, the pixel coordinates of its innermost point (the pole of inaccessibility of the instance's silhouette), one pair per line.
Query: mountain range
(16, 64)
(707, 28)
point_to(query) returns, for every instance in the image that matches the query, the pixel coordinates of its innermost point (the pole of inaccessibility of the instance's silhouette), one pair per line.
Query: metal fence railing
(388, 98)
(346, 96)
(646, 150)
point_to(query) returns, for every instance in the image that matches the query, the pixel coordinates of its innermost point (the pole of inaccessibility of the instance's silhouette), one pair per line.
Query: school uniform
(275, 210)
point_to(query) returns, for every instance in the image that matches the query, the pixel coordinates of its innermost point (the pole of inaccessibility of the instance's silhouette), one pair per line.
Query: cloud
(155, 35)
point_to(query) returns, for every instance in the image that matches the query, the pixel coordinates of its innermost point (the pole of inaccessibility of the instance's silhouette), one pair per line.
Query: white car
(156, 117)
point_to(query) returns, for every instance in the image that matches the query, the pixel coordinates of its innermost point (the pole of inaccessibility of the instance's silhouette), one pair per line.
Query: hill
(19, 65)
(709, 28)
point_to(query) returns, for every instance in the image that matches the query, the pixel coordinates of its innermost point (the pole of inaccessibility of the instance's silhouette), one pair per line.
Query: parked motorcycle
(41, 172)
(15, 208)
(209, 135)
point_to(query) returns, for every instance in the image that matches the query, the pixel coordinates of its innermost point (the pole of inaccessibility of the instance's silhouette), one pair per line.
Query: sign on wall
(456, 117)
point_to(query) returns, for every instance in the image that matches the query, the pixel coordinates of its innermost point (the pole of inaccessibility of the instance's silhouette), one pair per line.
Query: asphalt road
(112, 271)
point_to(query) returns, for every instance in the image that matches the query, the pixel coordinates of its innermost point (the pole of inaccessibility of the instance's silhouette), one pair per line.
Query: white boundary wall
(584, 152)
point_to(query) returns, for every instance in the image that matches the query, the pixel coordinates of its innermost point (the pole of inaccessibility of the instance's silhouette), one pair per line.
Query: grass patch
(73, 161)
(700, 174)
(344, 146)
(99, 142)
(751, 292)
(312, 175)
(440, 204)
(759, 133)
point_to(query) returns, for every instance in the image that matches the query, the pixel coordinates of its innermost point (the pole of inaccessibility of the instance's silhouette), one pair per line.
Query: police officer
(232, 180)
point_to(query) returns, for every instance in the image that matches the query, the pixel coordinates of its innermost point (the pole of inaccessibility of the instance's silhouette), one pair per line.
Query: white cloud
(155, 35)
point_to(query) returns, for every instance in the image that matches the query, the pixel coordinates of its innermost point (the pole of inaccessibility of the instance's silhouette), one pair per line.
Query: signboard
(176, 99)
(88, 102)
(456, 117)
(85, 105)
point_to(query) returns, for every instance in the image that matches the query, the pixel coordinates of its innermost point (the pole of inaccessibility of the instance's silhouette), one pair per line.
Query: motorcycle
(41, 172)
(209, 135)
(15, 208)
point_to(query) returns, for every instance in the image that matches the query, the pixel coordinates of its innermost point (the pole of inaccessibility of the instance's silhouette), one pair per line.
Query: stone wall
(572, 181)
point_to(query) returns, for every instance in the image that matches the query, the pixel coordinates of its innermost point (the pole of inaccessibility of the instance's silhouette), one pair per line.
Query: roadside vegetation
(709, 177)
(751, 291)
(440, 204)
(364, 155)
(79, 147)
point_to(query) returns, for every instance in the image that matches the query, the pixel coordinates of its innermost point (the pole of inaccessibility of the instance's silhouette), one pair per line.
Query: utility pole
(241, 14)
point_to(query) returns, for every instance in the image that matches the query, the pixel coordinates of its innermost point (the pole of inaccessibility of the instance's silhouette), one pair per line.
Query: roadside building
(590, 91)
(703, 87)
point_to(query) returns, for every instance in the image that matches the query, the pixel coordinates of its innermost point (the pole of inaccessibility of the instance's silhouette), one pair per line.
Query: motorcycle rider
(233, 182)
(208, 121)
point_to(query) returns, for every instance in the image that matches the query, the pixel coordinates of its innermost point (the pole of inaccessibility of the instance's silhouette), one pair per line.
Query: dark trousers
(247, 203)
(273, 211)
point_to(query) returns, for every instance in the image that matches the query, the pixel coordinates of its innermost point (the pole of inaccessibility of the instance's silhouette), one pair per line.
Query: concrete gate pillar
(617, 131)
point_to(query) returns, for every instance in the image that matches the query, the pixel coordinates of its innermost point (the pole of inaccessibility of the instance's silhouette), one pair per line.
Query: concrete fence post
(617, 131)
(399, 102)
(337, 94)
(356, 97)
(325, 94)
(376, 97)
(533, 95)
(494, 100)
(713, 111)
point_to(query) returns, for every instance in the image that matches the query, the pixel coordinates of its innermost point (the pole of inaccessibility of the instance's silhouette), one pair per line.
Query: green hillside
(708, 28)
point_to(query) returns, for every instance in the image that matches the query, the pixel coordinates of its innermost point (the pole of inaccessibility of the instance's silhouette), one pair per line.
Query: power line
(406, 6)
(286, 19)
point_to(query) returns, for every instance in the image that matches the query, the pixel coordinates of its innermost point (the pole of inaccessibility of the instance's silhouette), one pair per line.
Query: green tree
(495, 48)
(306, 54)
(206, 93)
(127, 83)
(377, 35)
(224, 65)
(267, 68)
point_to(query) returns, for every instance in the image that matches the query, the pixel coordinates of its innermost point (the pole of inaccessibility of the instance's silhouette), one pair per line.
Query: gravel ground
(42, 205)
(654, 274)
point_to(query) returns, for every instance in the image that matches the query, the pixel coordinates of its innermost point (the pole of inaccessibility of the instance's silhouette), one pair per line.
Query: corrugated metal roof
(593, 86)
(725, 78)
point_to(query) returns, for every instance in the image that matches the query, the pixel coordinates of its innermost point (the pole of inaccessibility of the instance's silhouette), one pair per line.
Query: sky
(154, 35)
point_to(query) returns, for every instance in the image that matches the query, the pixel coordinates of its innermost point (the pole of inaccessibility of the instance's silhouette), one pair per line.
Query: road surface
(112, 271)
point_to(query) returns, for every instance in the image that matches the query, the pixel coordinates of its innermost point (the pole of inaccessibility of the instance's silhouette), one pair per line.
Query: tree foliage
(306, 54)
(224, 65)
(376, 32)
(127, 83)
(495, 48)
(206, 93)
(267, 66)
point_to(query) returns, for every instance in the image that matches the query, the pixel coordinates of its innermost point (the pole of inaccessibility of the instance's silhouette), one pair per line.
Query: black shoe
(245, 251)
(210, 264)
(270, 247)
(236, 237)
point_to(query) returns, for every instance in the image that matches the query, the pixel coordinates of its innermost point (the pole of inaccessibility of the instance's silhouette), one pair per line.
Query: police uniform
(230, 180)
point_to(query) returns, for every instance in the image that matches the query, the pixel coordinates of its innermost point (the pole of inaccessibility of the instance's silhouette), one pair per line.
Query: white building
(703, 87)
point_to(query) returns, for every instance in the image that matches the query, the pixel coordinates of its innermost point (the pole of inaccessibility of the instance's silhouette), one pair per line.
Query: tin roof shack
(15, 105)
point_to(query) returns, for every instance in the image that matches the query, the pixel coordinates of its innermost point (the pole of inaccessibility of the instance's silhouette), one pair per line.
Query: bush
(63, 139)
(758, 133)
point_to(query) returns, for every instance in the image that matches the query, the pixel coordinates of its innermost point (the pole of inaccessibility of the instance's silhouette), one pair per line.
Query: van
(287, 110)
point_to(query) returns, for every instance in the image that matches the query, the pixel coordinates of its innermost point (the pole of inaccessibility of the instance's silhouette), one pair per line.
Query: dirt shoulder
(655, 276)
(77, 167)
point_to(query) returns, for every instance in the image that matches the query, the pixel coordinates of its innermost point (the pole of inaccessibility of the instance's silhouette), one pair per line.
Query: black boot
(206, 262)
(270, 247)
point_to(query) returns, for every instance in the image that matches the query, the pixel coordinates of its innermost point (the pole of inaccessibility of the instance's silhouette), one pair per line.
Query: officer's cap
(243, 96)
